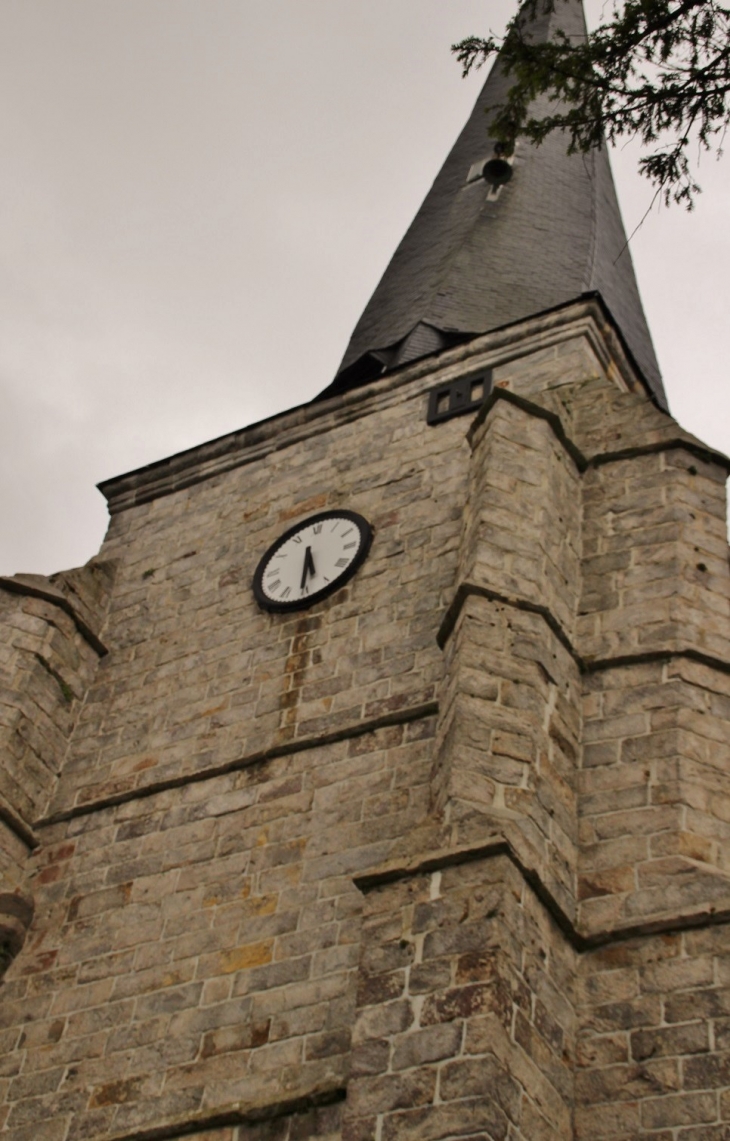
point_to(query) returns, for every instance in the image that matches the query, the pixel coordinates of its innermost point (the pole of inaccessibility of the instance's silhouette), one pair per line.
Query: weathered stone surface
(510, 729)
(459, 1039)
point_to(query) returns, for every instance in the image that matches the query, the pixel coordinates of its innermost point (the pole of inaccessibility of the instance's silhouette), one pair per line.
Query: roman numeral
(297, 539)
(342, 562)
(347, 546)
(317, 528)
(285, 593)
(274, 585)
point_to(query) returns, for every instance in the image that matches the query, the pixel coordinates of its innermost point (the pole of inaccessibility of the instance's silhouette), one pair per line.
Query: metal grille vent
(461, 396)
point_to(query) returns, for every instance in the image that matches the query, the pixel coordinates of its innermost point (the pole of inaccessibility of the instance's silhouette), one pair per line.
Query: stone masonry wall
(654, 1051)
(508, 736)
(444, 856)
(196, 948)
(321, 1122)
(48, 657)
(465, 1024)
(44, 657)
(510, 710)
(201, 677)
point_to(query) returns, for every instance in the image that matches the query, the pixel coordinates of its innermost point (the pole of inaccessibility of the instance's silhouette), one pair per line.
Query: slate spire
(473, 261)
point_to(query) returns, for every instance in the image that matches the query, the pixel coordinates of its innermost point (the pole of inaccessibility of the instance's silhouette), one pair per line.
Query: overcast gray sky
(197, 198)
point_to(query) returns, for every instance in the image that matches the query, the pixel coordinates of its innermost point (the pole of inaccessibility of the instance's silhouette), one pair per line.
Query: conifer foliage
(654, 70)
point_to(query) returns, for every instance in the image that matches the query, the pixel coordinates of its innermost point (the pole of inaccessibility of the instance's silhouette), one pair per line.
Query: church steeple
(477, 258)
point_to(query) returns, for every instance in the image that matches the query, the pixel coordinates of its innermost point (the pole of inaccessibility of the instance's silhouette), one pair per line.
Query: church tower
(372, 783)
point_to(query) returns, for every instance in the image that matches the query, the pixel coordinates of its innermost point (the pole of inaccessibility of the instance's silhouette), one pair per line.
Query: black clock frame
(366, 538)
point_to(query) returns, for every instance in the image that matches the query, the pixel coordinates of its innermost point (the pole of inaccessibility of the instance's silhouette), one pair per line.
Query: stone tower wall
(444, 856)
(49, 654)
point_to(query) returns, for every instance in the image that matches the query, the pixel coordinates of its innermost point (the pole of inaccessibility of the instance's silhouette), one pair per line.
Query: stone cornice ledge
(238, 1114)
(598, 459)
(401, 716)
(587, 317)
(35, 586)
(586, 665)
(496, 846)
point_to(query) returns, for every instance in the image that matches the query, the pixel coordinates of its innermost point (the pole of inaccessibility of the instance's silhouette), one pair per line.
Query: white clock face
(312, 559)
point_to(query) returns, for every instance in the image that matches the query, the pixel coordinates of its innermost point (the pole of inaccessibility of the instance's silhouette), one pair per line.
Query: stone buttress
(50, 649)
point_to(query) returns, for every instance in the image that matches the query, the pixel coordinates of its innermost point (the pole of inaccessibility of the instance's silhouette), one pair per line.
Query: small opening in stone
(442, 402)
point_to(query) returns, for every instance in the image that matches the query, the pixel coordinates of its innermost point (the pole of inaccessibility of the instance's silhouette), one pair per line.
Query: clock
(312, 559)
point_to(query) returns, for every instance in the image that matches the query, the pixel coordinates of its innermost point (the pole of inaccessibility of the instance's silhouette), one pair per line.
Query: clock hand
(308, 567)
